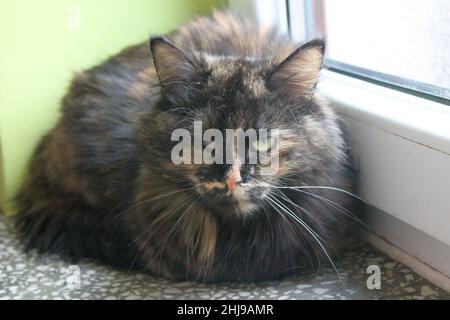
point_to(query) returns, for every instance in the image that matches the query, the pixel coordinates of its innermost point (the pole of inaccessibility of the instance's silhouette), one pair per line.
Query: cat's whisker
(286, 186)
(189, 118)
(173, 110)
(174, 228)
(332, 203)
(311, 232)
(335, 205)
(264, 208)
(154, 198)
(310, 215)
(152, 231)
(295, 216)
(159, 221)
(322, 187)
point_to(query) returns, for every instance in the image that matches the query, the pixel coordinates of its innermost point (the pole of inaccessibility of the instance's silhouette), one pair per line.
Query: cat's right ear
(297, 75)
(177, 74)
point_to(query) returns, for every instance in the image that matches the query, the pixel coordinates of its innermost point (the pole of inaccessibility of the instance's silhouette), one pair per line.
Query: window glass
(404, 38)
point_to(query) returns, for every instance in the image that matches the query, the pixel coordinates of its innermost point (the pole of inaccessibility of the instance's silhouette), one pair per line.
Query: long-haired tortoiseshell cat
(101, 184)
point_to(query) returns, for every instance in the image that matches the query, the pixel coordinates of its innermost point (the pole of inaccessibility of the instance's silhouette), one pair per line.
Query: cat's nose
(233, 177)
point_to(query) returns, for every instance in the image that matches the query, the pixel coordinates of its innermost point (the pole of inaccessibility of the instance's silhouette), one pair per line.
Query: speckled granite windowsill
(29, 276)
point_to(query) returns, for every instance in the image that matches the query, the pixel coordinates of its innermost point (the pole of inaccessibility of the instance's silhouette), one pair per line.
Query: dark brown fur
(101, 184)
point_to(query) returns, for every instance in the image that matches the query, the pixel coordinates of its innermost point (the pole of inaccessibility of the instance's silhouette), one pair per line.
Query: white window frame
(402, 147)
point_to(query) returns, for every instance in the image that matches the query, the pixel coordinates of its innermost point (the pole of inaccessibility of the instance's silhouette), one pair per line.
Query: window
(390, 84)
(402, 43)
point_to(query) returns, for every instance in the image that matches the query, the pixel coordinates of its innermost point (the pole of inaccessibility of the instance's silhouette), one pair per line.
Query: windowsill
(401, 145)
(410, 117)
(402, 148)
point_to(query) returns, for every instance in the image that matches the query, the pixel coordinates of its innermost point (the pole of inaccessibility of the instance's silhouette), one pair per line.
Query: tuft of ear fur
(176, 72)
(298, 73)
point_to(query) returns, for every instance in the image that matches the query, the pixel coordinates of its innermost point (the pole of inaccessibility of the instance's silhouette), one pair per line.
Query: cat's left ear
(298, 73)
(177, 74)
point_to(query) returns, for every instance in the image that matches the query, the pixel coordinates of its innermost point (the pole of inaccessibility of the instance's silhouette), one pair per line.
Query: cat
(101, 184)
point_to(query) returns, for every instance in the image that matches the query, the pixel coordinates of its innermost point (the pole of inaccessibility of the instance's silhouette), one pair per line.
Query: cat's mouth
(224, 201)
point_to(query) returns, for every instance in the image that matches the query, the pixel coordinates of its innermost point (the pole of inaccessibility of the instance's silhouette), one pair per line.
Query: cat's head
(230, 93)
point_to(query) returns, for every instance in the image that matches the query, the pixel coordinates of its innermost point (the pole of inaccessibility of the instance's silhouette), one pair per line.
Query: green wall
(44, 42)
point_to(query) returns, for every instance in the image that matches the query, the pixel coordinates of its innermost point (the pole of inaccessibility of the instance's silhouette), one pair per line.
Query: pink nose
(233, 178)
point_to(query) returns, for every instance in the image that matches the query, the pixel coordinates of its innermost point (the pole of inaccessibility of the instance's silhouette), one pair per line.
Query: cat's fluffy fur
(101, 184)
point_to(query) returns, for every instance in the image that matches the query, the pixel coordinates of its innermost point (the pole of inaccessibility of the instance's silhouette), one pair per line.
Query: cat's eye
(262, 145)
